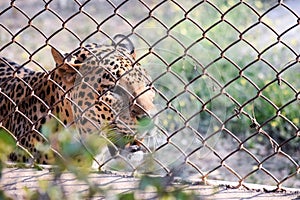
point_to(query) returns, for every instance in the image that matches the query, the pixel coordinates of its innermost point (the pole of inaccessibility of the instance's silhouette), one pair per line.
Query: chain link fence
(225, 75)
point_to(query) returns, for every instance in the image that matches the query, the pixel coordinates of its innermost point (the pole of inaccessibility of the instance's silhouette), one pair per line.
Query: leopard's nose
(134, 148)
(142, 116)
(137, 111)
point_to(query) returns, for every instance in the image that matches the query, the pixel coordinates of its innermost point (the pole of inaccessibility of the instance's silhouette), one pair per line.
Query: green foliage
(7, 144)
(162, 187)
(3, 196)
(127, 196)
(221, 60)
(76, 158)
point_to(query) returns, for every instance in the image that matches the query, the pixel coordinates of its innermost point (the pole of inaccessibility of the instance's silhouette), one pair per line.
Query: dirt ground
(17, 183)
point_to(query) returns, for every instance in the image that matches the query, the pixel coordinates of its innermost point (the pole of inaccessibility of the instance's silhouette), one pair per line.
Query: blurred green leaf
(3, 196)
(127, 196)
(7, 144)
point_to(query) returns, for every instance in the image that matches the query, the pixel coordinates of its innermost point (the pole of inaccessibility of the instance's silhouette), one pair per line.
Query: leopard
(96, 89)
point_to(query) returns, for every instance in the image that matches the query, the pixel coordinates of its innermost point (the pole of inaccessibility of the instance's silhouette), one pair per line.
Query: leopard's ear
(125, 42)
(57, 56)
(65, 69)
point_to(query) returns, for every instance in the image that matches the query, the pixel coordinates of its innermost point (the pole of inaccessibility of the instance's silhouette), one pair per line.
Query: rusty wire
(219, 161)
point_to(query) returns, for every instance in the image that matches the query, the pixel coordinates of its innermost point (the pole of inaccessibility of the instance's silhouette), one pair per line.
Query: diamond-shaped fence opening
(224, 77)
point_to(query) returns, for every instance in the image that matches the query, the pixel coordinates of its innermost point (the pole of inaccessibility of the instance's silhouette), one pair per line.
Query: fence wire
(225, 76)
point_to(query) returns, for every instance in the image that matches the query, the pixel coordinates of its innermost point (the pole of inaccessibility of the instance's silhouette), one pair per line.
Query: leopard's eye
(118, 89)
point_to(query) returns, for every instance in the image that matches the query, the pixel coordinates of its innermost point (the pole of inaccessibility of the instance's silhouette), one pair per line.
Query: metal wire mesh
(225, 74)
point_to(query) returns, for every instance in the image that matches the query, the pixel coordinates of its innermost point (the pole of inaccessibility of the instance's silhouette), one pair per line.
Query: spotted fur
(99, 87)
